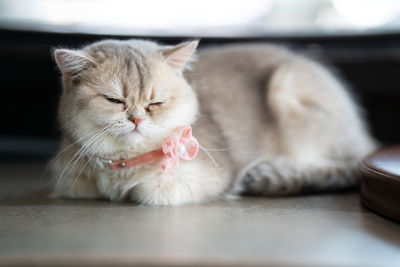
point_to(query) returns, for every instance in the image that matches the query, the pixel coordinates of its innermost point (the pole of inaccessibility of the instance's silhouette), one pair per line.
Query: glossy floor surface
(319, 230)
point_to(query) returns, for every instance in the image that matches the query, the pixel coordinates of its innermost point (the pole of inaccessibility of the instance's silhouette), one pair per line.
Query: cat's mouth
(136, 131)
(130, 131)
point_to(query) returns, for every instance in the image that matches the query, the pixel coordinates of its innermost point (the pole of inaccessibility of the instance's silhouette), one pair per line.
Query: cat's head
(123, 95)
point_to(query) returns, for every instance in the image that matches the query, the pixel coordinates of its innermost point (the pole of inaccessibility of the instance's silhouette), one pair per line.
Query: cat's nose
(136, 120)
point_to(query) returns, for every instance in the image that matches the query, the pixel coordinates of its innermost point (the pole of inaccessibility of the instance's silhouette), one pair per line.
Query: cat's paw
(261, 178)
(157, 194)
(171, 191)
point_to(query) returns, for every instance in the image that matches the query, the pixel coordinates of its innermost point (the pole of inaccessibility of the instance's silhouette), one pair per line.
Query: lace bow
(181, 145)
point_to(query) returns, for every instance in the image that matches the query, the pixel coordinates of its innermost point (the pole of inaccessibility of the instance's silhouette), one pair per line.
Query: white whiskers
(101, 146)
(211, 158)
(66, 149)
(82, 152)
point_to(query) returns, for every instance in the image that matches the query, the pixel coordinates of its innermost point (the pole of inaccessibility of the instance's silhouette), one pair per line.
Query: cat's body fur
(269, 121)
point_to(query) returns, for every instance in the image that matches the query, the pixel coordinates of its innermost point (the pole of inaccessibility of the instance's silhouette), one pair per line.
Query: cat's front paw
(163, 194)
(171, 191)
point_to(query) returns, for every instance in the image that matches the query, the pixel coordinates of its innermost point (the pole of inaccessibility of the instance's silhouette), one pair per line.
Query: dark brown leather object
(380, 182)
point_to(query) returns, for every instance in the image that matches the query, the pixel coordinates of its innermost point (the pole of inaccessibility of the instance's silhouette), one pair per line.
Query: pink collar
(180, 145)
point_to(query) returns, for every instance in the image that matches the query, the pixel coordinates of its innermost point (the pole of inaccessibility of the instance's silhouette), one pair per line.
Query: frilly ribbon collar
(180, 145)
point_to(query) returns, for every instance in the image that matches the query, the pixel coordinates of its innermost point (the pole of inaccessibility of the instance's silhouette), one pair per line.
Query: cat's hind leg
(314, 114)
(283, 176)
(319, 134)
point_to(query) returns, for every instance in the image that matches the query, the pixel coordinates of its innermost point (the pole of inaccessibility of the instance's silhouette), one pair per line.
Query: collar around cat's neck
(180, 145)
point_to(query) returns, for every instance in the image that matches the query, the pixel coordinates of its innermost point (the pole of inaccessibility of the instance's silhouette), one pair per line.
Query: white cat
(267, 121)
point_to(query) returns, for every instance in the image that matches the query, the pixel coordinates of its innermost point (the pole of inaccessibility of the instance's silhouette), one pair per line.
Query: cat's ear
(178, 56)
(72, 62)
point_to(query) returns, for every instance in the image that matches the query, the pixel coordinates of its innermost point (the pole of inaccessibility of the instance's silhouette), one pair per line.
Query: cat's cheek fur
(184, 114)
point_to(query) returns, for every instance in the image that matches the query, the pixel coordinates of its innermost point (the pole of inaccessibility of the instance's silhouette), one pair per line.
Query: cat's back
(241, 57)
(232, 69)
(253, 92)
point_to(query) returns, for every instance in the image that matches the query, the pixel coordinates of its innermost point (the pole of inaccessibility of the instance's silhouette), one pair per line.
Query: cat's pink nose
(136, 120)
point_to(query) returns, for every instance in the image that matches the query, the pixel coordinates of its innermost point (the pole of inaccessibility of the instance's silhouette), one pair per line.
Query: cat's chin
(131, 133)
(137, 140)
(142, 140)
(133, 137)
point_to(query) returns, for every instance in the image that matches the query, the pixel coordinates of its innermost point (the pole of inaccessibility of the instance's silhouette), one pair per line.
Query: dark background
(30, 81)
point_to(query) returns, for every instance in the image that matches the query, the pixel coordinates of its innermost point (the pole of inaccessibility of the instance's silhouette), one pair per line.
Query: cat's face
(124, 95)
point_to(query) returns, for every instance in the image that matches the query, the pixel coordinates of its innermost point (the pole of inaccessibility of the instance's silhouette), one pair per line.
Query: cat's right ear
(71, 63)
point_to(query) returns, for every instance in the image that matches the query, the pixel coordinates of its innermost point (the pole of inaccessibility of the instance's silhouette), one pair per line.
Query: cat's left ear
(180, 55)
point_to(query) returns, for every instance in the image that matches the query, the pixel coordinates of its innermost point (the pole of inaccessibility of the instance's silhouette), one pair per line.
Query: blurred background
(223, 18)
(360, 39)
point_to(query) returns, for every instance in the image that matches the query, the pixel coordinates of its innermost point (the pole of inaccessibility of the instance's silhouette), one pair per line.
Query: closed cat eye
(114, 100)
(149, 107)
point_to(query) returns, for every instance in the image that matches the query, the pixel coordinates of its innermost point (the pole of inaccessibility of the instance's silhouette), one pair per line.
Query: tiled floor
(320, 230)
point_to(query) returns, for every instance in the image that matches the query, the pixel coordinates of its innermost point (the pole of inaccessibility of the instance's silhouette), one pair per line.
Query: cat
(265, 120)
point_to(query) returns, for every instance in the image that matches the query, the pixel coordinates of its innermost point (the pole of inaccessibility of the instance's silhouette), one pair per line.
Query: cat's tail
(285, 176)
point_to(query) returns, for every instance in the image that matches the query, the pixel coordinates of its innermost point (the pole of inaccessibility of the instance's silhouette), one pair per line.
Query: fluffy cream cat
(268, 121)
